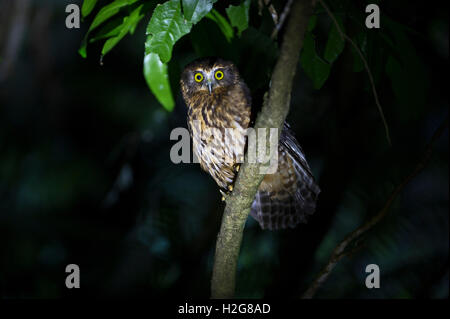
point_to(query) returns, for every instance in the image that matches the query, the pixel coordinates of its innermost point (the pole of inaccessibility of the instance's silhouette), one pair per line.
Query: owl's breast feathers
(217, 123)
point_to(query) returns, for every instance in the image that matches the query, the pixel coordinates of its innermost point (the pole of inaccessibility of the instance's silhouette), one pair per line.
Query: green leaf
(409, 84)
(88, 6)
(109, 29)
(238, 15)
(312, 23)
(222, 23)
(195, 10)
(128, 25)
(156, 75)
(104, 14)
(166, 26)
(361, 42)
(335, 44)
(108, 11)
(315, 68)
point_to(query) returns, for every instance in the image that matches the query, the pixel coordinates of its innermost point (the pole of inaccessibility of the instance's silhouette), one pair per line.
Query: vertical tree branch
(273, 114)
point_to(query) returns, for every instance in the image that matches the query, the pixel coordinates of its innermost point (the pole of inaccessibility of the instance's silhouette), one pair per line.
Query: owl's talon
(230, 188)
(237, 168)
(223, 195)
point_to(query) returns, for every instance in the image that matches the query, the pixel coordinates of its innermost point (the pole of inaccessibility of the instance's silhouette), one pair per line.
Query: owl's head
(208, 76)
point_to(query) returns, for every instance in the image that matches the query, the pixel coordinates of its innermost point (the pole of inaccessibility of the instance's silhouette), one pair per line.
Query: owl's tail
(287, 197)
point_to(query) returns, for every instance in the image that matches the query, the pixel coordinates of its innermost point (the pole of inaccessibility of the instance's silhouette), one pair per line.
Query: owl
(218, 115)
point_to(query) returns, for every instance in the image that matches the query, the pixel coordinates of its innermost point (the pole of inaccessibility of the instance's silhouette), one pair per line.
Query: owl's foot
(226, 193)
(237, 167)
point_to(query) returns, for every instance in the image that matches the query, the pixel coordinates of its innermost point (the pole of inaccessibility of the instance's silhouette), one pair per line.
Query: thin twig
(260, 7)
(283, 16)
(366, 66)
(273, 13)
(340, 251)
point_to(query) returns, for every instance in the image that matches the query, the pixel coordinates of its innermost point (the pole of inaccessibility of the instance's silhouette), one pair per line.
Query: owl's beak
(209, 83)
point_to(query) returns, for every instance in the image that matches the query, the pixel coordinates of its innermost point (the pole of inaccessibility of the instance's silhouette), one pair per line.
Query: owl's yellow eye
(219, 75)
(198, 77)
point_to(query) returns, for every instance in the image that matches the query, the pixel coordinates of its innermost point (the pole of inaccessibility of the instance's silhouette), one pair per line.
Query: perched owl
(219, 102)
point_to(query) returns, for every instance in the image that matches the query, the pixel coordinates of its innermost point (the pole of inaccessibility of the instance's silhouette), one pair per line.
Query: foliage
(238, 15)
(174, 19)
(169, 22)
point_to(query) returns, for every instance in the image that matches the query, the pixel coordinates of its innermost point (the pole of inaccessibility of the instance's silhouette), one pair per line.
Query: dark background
(86, 178)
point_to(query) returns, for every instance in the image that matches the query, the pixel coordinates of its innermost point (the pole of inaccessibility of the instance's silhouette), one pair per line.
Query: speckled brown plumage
(284, 198)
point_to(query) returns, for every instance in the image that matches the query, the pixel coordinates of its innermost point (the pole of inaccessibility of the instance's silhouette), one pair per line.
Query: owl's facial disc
(208, 79)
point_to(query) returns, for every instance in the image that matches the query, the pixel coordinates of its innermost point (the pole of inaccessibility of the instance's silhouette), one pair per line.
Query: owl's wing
(289, 196)
(289, 142)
